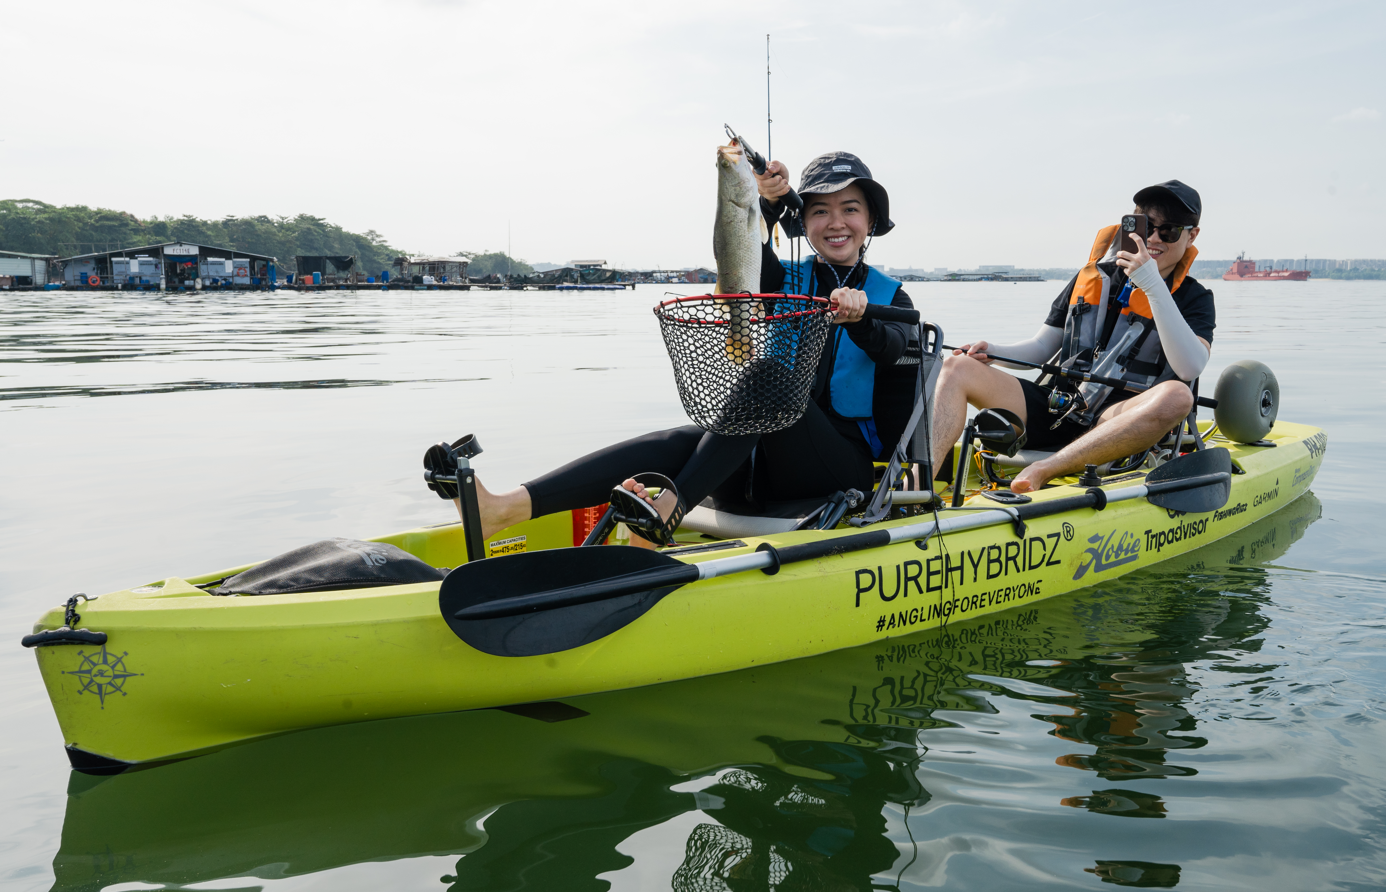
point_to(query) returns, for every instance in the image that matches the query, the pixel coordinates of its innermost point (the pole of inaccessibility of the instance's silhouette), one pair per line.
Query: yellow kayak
(167, 669)
(841, 727)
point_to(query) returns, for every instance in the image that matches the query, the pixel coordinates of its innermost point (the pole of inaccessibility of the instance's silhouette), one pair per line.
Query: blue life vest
(853, 382)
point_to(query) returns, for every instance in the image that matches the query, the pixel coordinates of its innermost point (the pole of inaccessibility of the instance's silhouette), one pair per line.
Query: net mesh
(722, 860)
(744, 364)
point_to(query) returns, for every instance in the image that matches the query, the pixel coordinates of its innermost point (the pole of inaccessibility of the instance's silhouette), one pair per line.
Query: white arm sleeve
(1186, 354)
(1040, 348)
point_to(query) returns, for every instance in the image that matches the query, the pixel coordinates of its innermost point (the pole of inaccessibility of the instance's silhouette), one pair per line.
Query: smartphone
(1133, 224)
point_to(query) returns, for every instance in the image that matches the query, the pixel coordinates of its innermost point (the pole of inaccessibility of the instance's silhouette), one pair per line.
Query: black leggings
(809, 459)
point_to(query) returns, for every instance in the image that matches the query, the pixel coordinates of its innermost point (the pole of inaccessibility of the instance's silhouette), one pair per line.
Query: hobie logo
(1108, 552)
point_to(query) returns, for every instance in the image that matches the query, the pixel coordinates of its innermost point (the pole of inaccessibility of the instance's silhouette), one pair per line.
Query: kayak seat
(734, 520)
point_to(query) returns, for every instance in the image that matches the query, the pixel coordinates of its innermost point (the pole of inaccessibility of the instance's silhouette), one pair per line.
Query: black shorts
(1038, 418)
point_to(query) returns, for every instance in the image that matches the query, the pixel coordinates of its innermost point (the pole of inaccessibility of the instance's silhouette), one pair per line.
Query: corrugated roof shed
(125, 252)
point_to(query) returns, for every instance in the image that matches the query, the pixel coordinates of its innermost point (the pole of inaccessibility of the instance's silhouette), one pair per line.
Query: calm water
(1215, 723)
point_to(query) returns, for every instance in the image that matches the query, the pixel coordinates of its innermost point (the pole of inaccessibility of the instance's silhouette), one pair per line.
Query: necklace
(842, 281)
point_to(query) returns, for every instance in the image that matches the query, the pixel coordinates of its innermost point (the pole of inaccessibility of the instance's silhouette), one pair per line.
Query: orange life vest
(1143, 362)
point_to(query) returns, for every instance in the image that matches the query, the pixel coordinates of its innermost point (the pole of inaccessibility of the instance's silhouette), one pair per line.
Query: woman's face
(838, 224)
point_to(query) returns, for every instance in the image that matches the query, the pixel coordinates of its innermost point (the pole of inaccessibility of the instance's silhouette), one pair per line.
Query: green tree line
(37, 227)
(484, 263)
(1353, 274)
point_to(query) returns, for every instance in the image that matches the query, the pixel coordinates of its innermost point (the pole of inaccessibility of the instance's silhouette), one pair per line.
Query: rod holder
(964, 457)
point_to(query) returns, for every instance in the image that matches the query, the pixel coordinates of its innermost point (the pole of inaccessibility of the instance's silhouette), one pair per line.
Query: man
(1159, 320)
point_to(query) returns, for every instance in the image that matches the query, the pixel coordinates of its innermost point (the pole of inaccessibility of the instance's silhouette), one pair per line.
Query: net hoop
(744, 363)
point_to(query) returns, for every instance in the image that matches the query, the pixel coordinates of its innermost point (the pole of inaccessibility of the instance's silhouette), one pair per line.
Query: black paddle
(548, 601)
(1168, 485)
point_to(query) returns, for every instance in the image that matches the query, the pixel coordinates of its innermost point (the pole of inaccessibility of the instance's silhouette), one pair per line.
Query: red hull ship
(1245, 270)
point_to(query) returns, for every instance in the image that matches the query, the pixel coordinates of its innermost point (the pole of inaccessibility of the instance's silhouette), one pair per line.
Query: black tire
(1248, 400)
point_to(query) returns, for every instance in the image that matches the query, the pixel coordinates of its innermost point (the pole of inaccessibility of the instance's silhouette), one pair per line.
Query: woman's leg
(811, 458)
(588, 480)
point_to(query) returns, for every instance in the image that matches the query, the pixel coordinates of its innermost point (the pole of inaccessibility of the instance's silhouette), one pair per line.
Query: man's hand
(774, 183)
(849, 303)
(977, 351)
(1132, 262)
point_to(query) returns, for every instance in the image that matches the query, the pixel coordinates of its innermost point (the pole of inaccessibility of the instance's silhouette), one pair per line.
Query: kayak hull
(184, 672)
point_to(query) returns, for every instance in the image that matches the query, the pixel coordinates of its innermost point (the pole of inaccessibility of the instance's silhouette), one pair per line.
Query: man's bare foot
(1030, 479)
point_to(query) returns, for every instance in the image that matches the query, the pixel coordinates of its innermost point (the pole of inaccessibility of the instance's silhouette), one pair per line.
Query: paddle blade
(1176, 485)
(551, 630)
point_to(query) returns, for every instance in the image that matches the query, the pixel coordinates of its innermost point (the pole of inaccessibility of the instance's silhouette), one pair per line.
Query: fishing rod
(759, 165)
(1078, 375)
(770, 147)
(1050, 368)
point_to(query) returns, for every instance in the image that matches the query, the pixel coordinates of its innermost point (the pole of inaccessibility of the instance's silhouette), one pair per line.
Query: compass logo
(102, 673)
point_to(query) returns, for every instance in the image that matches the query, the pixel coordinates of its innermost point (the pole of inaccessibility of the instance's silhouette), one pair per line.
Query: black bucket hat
(1179, 197)
(836, 171)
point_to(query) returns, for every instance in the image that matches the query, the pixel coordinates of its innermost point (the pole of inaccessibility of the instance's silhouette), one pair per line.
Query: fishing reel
(1061, 402)
(1064, 403)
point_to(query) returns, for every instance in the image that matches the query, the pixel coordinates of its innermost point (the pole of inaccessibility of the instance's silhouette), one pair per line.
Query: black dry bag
(329, 565)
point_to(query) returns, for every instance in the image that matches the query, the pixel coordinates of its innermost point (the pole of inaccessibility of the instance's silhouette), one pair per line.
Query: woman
(858, 407)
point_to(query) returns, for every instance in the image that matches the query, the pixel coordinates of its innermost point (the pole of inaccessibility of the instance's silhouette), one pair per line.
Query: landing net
(744, 364)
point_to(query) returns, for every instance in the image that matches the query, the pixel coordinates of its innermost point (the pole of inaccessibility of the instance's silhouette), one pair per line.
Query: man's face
(1166, 255)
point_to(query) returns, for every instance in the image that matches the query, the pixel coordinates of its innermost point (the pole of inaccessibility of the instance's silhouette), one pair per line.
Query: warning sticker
(512, 545)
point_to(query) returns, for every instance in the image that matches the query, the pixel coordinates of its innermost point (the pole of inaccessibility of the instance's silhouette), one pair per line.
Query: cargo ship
(1243, 269)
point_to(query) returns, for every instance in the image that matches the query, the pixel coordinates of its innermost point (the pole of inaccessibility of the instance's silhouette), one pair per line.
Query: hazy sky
(1005, 132)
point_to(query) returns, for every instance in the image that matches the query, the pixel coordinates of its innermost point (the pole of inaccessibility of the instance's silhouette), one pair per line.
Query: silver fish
(736, 243)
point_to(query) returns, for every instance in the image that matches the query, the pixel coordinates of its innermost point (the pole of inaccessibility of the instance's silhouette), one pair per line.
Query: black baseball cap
(836, 171)
(1174, 194)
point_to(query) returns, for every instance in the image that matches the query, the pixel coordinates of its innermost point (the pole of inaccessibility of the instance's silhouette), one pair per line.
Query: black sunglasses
(1169, 232)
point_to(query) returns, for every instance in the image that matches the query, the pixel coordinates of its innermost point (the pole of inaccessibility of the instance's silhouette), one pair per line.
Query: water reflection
(815, 774)
(1138, 874)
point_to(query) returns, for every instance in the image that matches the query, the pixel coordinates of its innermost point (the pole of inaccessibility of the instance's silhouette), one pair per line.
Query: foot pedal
(644, 519)
(448, 472)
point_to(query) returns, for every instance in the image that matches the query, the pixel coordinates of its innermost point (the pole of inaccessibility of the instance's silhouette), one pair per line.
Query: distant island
(36, 227)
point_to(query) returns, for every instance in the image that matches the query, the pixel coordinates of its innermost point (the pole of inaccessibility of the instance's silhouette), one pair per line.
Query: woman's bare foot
(639, 489)
(499, 510)
(664, 504)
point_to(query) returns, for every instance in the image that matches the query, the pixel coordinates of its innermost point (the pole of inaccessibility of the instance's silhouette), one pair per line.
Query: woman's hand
(774, 183)
(849, 303)
(1132, 262)
(977, 351)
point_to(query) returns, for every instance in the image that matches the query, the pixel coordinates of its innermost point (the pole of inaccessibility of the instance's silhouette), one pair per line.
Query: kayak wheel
(1248, 400)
